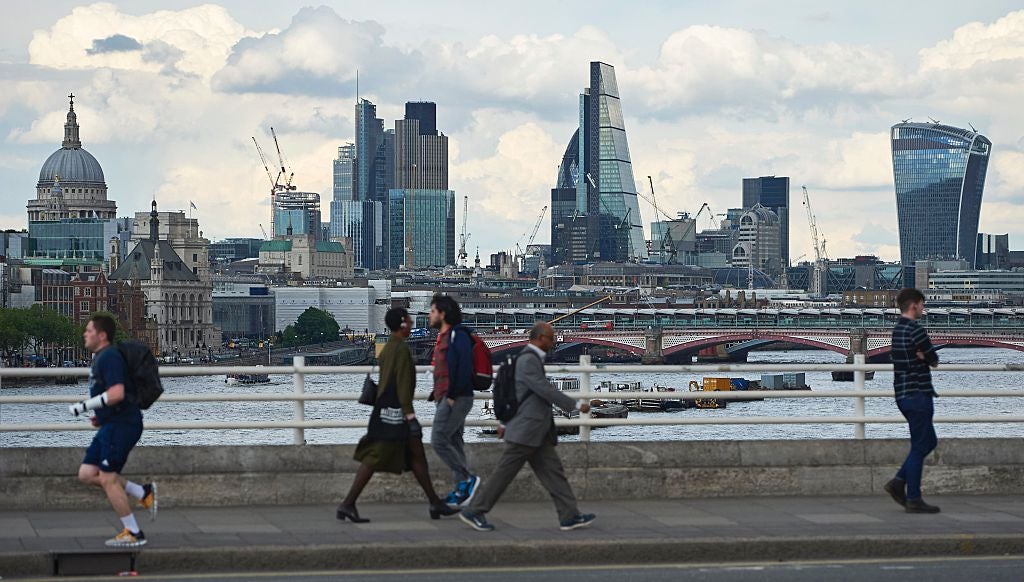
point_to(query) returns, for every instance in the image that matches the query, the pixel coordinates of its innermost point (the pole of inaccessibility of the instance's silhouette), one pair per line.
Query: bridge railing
(585, 369)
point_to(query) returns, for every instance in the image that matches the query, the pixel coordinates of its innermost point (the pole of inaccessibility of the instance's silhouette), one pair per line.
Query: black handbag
(369, 395)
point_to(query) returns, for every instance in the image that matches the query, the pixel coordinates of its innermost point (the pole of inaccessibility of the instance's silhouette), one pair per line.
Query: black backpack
(144, 371)
(504, 392)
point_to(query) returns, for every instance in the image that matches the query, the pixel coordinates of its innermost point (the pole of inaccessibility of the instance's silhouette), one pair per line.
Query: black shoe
(439, 509)
(476, 521)
(349, 512)
(581, 520)
(919, 506)
(897, 489)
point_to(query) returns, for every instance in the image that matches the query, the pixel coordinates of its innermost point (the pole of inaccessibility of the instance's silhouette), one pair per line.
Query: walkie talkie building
(939, 172)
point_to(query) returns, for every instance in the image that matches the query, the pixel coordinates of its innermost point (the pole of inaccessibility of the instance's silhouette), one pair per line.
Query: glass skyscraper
(606, 214)
(430, 220)
(939, 173)
(297, 213)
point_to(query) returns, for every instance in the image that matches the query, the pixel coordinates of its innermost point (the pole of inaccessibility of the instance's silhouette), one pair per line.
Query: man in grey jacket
(531, 437)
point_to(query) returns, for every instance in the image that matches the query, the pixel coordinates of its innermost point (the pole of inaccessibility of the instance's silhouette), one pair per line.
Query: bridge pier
(858, 345)
(653, 353)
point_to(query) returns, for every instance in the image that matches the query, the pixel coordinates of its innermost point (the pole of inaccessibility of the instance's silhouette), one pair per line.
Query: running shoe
(149, 500)
(127, 539)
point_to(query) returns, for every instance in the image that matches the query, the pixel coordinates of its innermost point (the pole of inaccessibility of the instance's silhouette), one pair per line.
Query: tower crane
(820, 256)
(711, 213)
(274, 183)
(280, 158)
(662, 238)
(463, 236)
(521, 249)
(264, 231)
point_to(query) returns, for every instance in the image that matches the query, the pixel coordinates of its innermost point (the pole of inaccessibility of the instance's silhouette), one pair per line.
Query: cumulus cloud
(318, 54)
(714, 68)
(976, 43)
(100, 35)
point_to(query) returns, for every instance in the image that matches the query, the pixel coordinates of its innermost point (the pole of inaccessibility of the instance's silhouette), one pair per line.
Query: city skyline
(712, 98)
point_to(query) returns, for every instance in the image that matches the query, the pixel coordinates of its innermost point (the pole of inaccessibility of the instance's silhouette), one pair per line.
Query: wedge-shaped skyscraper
(595, 213)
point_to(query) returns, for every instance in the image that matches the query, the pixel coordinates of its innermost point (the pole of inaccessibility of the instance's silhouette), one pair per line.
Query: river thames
(350, 410)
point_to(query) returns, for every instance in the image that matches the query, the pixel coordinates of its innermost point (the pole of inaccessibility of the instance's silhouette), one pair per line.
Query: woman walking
(394, 438)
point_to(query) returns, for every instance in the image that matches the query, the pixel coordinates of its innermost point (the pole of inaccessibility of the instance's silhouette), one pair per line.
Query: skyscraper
(939, 173)
(343, 167)
(297, 213)
(421, 154)
(422, 227)
(369, 137)
(771, 192)
(606, 215)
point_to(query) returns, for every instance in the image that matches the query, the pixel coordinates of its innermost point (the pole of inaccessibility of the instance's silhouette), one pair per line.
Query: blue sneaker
(476, 521)
(467, 489)
(581, 520)
(452, 498)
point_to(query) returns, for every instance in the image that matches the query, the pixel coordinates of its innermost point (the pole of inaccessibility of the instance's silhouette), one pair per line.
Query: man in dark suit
(531, 437)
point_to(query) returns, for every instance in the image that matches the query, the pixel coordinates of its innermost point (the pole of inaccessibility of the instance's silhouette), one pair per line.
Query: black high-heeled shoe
(350, 513)
(442, 509)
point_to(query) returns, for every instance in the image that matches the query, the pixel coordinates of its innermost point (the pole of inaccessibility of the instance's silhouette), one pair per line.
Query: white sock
(130, 523)
(134, 489)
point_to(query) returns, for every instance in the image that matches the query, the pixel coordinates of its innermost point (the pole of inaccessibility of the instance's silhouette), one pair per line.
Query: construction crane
(520, 250)
(463, 236)
(280, 158)
(820, 256)
(711, 214)
(661, 238)
(264, 231)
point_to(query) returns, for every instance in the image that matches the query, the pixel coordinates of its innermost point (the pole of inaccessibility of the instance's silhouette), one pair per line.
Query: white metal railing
(584, 370)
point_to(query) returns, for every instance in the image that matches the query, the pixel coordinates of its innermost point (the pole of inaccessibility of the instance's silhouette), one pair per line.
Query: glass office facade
(771, 192)
(939, 173)
(299, 211)
(82, 239)
(430, 220)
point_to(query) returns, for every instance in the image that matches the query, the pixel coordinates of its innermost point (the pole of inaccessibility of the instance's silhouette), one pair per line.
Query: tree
(13, 332)
(316, 325)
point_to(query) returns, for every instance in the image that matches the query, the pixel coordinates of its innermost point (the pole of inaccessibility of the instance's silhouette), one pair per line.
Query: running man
(119, 420)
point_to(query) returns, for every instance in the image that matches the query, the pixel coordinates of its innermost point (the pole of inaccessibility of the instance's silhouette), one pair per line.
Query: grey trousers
(446, 435)
(546, 466)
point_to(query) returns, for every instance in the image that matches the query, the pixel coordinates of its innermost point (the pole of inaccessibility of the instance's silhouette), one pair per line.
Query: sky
(169, 94)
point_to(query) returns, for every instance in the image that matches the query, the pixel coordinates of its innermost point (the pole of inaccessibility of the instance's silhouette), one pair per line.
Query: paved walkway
(691, 529)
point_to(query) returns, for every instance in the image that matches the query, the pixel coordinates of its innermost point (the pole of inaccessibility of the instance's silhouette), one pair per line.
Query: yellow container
(717, 384)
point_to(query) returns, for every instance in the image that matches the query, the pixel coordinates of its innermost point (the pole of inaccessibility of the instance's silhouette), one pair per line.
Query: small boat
(602, 409)
(845, 376)
(669, 404)
(247, 379)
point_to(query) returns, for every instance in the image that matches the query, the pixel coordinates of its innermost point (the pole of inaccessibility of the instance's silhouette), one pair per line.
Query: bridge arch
(941, 342)
(595, 341)
(758, 338)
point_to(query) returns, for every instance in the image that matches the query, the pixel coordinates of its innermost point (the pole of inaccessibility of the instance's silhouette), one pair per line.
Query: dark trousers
(546, 466)
(918, 409)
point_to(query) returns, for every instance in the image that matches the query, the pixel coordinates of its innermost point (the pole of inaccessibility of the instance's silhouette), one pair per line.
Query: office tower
(422, 227)
(758, 241)
(344, 165)
(771, 192)
(369, 138)
(606, 215)
(297, 213)
(421, 153)
(939, 174)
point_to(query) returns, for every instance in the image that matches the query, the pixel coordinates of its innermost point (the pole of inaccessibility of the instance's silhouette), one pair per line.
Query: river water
(819, 381)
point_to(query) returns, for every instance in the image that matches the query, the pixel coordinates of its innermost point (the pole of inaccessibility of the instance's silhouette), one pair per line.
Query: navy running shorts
(111, 445)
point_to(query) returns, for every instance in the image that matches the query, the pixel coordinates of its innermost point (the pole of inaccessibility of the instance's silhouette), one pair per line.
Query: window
(84, 306)
(88, 291)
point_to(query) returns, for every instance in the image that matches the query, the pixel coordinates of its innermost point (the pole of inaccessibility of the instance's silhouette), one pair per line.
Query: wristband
(90, 404)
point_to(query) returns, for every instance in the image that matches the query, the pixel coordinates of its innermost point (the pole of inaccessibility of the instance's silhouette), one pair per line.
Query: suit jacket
(534, 420)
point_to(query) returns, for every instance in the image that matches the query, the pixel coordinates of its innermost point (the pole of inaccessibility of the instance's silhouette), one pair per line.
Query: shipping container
(772, 381)
(739, 383)
(792, 380)
(720, 384)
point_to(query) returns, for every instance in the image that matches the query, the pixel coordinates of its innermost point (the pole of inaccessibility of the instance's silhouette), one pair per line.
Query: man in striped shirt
(912, 356)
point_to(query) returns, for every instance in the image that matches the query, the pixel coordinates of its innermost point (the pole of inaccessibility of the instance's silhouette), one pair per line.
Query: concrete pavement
(308, 537)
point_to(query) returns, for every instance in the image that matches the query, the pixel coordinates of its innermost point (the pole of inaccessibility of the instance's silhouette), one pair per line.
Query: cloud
(977, 43)
(114, 44)
(718, 68)
(96, 36)
(317, 54)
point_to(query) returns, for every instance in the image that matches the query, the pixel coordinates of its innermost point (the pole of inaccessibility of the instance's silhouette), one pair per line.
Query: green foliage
(314, 326)
(35, 327)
